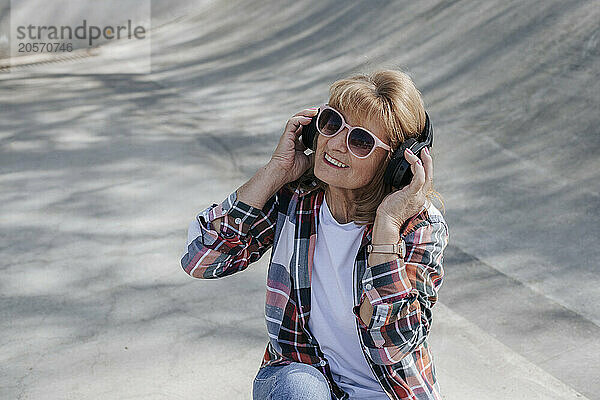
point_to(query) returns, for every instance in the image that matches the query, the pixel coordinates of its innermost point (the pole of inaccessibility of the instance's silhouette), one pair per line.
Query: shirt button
(238, 220)
(368, 286)
(323, 363)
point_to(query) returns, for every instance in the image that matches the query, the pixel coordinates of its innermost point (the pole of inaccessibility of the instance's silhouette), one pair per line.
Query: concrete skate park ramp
(101, 175)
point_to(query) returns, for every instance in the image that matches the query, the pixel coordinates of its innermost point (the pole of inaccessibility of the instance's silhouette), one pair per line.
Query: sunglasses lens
(361, 143)
(329, 122)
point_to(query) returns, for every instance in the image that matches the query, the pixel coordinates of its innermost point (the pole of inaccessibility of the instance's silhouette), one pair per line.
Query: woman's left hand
(399, 206)
(395, 209)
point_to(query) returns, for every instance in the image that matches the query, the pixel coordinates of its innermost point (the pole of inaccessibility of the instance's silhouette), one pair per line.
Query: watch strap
(396, 248)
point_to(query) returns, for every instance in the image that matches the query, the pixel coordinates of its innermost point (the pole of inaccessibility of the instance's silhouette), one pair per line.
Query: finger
(295, 122)
(418, 180)
(427, 165)
(411, 157)
(418, 171)
(308, 112)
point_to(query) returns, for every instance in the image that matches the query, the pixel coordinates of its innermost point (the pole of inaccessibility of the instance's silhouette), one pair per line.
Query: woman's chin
(323, 172)
(327, 176)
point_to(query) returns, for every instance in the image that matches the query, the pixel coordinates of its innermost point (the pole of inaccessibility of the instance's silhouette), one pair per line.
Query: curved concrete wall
(102, 173)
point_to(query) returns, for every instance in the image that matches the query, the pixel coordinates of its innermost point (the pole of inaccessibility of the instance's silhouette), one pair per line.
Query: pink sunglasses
(360, 141)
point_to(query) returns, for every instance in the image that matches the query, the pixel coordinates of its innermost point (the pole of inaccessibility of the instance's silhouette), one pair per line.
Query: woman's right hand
(289, 158)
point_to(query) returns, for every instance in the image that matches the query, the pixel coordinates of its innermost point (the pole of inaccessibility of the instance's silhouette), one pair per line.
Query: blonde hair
(390, 98)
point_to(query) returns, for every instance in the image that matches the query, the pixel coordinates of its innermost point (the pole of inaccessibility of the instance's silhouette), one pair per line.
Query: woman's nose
(338, 142)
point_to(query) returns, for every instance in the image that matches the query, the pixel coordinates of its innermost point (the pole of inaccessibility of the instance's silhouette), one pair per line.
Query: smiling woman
(356, 264)
(391, 105)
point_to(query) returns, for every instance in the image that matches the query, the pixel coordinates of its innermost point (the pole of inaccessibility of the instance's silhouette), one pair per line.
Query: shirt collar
(299, 192)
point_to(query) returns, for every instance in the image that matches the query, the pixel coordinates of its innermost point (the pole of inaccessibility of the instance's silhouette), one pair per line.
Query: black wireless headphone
(397, 173)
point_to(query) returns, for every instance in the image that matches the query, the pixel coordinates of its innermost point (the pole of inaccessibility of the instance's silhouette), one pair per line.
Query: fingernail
(410, 152)
(419, 161)
(427, 150)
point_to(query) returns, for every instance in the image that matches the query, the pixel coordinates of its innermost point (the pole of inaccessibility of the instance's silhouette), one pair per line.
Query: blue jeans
(296, 381)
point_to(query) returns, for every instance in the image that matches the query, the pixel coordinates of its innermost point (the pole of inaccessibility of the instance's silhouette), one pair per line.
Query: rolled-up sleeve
(402, 295)
(246, 233)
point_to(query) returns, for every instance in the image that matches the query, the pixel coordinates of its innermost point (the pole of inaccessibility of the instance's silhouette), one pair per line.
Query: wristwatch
(396, 248)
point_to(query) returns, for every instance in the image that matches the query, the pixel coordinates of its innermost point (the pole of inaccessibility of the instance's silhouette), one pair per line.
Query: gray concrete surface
(100, 175)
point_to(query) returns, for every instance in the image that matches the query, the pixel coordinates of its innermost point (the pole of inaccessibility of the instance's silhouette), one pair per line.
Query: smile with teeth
(334, 161)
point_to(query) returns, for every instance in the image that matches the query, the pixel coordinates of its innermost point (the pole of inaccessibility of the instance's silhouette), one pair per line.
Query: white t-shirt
(331, 319)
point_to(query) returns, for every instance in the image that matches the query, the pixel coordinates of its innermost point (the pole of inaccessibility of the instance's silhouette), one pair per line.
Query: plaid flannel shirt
(395, 341)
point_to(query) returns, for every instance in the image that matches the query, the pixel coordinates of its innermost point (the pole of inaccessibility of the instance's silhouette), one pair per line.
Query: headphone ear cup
(398, 173)
(308, 133)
